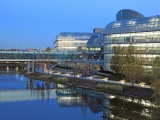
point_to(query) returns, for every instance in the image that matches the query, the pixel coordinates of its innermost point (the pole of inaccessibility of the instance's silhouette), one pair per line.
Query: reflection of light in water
(16, 68)
(112, 96)
(7, 69)
(21, 78)
(16, 75)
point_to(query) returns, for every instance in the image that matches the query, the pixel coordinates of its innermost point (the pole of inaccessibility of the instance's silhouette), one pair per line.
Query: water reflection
(117, 108)
(111, 106)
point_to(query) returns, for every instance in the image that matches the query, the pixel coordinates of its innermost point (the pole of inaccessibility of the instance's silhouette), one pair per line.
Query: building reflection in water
(113, 106)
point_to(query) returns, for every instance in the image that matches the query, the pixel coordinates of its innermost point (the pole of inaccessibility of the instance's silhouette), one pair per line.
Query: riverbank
(144, 93)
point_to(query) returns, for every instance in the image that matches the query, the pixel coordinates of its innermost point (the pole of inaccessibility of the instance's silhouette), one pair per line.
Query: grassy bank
(94, 85)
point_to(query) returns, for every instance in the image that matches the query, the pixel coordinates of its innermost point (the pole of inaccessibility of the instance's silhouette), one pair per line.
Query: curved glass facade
(127, 14)
(95, 50)
(70, 41)
(143, 32)
(95, 40)
(134, 25)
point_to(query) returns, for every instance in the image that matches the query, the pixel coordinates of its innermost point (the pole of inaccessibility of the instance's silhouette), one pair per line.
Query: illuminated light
(142, 84)
(68, 74)
(59, 72)
(136, 34)
(152, 19)
(7, 68)
(106, 79)
(16, 68)
(117, 24)
(132, 22)
(157, 19)
(91, 77)
(112, 96)
(78, 75)
(122, 81)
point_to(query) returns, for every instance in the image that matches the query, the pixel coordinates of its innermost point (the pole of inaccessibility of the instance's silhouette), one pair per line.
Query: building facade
(130, 27)
(144, 33)
(69, 44)
(95, 47)
(70, 41)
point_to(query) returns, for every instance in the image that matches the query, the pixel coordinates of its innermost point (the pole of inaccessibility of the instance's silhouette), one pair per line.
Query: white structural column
(30, 65)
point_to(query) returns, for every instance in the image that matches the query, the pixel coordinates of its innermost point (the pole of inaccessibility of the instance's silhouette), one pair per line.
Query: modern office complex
(70, 44)
(73, 45)
(130, 27)
(70, 41)
(95, 50)
(143, 32)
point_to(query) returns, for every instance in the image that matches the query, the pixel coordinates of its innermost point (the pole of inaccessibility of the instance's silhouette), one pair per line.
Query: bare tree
(85, 65)
(74, 65)
(42, 62)
(48, 62)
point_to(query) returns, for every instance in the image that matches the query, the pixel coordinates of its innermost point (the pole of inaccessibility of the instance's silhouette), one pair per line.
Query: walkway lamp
(122, 81)
(142, 84)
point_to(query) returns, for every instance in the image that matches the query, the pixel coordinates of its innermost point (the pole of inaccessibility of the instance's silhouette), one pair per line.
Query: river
(22, 98)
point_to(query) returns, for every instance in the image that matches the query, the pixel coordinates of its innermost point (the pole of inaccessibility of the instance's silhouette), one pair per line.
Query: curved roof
(127, 14)
(74, 34)
(134, 25)
(95, 40)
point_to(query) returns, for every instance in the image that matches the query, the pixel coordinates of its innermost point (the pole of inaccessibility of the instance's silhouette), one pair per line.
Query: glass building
(130, 27)
(95, 50)
(144, 33)
(126, 14)
(70, 41)
(69, 44)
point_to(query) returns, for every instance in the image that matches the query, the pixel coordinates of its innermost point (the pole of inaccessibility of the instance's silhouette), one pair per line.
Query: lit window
(117, 24)
(132, 22)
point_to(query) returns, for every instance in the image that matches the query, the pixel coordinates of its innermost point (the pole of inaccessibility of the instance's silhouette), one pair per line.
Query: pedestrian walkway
(122, 82)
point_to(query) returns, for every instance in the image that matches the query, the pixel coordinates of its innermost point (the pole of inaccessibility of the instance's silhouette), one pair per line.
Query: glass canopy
(134, 25)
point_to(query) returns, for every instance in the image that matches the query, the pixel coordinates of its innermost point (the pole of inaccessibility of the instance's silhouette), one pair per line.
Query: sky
(35, 23)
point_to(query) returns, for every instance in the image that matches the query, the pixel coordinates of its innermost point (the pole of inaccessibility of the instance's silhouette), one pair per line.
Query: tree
(130, 54)
(74, 65)
(156, 68)
(118, 59)
(48, 49)
(133, 72)
(125, 61)
(48, 63)
(156, 98)
(85, 65)
(42, 62)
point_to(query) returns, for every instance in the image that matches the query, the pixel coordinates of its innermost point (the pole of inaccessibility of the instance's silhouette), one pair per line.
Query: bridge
(23, 56)
(30, 57)
(23, 95)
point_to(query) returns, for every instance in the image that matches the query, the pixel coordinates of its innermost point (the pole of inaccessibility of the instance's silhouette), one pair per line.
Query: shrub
(110, 87)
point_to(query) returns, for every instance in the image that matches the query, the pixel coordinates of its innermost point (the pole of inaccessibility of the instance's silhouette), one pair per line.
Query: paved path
(98, 79)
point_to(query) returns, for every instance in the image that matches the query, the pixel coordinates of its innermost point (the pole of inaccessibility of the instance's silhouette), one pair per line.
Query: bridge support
(30, 67)
(30, 84)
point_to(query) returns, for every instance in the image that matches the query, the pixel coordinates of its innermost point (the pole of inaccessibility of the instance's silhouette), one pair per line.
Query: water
(26, 99)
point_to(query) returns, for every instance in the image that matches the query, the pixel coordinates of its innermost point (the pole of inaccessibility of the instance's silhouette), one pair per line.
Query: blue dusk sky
(35, 23)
